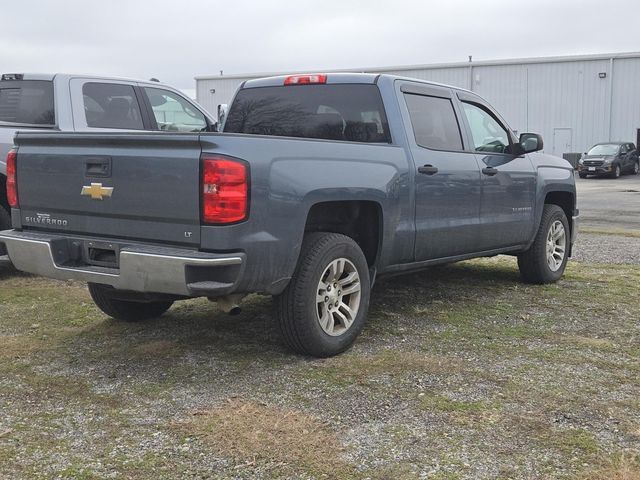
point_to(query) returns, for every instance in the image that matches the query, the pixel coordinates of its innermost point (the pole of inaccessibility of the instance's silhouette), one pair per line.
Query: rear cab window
(27, 102)
(434, 122)
(346, 112)
(111, 105)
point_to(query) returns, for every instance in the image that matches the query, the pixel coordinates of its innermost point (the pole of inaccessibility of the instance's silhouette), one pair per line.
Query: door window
(111, 105)
(488, 134)
(173, 113)
(434, 122)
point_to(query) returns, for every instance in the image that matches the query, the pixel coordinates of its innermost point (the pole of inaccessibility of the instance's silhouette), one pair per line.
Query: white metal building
(573, 102)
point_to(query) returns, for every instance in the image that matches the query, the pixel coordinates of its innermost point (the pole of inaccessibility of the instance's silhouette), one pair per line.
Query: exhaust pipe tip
(230, 304)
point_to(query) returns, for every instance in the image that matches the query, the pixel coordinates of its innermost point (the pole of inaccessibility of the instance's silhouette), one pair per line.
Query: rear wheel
(547, 257)
(324, 307)
(5, 224)
(106, 298)
(636, 168)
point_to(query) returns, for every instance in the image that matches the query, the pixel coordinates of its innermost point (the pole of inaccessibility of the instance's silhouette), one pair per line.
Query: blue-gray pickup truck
(315, 185)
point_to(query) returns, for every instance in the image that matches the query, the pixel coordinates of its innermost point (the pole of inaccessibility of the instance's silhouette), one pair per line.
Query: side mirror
(531, 142)
(223, 109)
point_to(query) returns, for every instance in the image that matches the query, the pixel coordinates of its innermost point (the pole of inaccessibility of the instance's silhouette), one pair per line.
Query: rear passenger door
(107, 104)
(508, 181)
(447, 178)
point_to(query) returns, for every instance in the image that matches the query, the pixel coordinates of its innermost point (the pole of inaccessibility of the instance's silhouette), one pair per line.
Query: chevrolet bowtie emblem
(96, 191)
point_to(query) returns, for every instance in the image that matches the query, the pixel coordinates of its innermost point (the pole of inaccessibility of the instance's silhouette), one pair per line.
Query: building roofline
(432, 66)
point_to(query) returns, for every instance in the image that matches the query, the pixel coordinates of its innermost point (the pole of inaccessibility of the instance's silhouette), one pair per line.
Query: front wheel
(616, 171)
(547, 257)
(106, 299)
(582, 175)
(636, 168)
(324, 307)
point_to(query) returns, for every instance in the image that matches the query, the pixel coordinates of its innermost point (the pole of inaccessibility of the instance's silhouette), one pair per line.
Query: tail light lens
(12, 184)
(225, 190)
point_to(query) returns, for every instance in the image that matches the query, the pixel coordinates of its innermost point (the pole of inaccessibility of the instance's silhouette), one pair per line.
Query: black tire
(128, 311)
(617, 171)
(5, 224)
(297, 312)
(635, 169)
(533, 264)
(582, 175)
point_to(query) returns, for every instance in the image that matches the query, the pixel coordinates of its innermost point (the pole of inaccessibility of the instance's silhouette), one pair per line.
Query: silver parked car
(81, 103)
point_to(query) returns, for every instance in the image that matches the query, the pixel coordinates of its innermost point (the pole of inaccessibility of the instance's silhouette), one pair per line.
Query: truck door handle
(98, 167)
(489, 171)
(428, 169)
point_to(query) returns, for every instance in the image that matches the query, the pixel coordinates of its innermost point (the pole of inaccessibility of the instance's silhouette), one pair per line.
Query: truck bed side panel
(288, 177)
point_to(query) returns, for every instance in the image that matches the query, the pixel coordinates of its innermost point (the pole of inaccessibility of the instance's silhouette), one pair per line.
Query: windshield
(348, 112)
(604, 149)
(28, 102)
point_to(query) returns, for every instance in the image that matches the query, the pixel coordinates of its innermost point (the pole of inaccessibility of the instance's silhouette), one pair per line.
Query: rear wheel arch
(361, 220)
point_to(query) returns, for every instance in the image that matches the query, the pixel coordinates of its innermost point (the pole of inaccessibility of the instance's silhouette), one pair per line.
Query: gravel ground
(462, 372)
(601, 248)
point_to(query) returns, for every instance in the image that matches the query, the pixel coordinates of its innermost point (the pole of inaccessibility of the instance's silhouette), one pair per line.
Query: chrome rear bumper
(141, 267)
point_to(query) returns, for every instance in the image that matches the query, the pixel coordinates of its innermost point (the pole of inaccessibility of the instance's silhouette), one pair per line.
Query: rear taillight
(305, 79)
(225, 190)
(12, 184)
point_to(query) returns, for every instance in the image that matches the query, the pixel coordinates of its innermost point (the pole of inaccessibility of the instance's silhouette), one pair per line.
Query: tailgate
(141, 186)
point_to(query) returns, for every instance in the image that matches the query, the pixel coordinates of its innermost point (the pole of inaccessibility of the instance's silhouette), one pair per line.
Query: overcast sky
(175, 40)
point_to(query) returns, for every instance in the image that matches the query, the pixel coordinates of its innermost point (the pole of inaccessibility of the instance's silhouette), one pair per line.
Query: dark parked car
(612, 159)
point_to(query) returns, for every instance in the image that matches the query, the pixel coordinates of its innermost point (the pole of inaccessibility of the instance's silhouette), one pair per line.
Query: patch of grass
(364, 369)
(576, 440)
(285, 442)
(18, 346)
(623, 466)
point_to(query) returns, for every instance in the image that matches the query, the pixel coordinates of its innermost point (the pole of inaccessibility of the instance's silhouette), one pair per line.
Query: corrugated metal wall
(567, 102)
(212, 92)
(625, 118)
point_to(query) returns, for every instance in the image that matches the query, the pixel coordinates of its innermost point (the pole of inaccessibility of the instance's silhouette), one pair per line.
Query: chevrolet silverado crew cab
(77, 103)
(316, 185)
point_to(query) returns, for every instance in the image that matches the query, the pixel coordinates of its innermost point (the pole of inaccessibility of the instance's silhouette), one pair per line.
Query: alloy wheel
(338, 297)
(556, 245)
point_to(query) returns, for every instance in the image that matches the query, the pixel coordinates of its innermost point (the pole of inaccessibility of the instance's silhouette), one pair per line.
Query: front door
(561, 141)
(508, 181)
(447, 178)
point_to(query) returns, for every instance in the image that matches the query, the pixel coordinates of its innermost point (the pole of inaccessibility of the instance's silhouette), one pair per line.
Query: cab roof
(341, 77)
(68, 76)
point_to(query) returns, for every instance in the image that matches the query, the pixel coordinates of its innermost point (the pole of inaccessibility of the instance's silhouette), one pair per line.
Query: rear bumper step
(141, 267)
